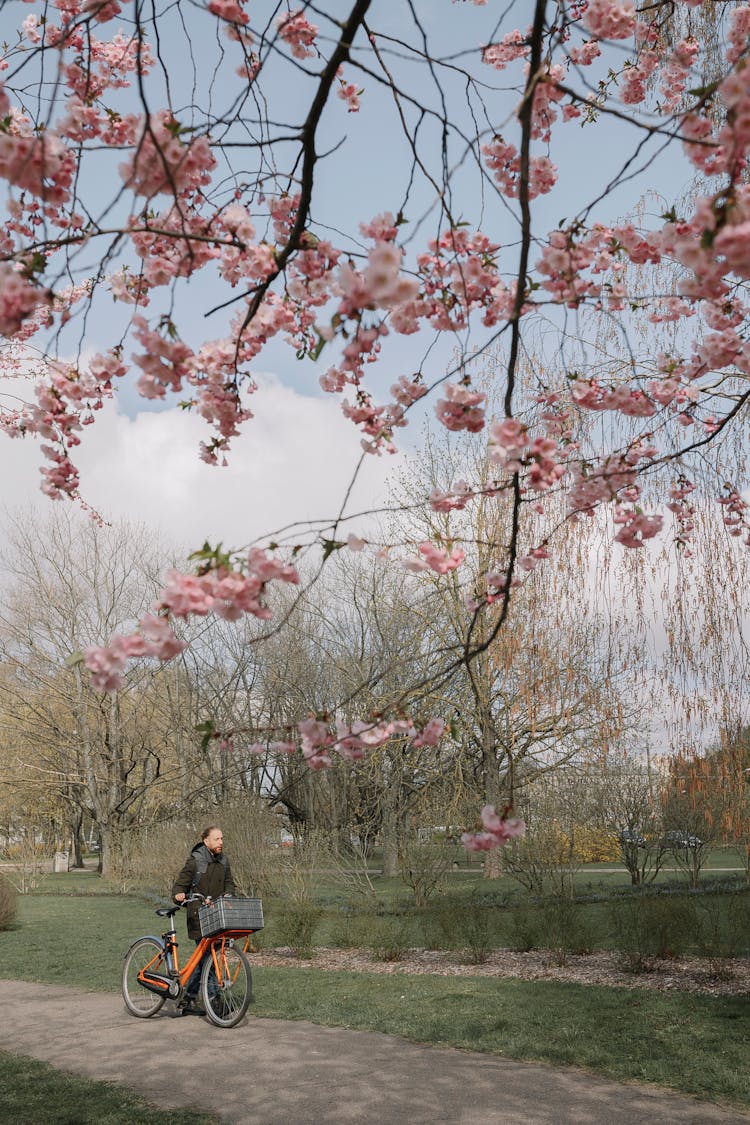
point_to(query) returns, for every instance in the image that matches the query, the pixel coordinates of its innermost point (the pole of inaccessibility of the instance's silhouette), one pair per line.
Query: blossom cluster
(497, 831)
(440, 559)
(229, 593)
(511, 447)
(354, 740)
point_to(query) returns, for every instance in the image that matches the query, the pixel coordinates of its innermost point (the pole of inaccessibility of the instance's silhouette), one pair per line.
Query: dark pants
(192, 988)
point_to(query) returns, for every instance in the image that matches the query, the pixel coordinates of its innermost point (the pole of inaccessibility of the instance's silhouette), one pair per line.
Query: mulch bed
(709, 976)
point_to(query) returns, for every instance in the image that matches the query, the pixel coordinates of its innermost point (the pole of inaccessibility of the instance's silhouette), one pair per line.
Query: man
(207, 871)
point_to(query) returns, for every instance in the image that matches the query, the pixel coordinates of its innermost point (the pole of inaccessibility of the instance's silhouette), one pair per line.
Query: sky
(298, 454)
(287, 466)
(140, 460)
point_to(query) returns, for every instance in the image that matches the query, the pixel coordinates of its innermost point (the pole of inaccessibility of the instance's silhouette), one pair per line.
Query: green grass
(696, 1044)
(77, 882)
(47, 943)
(32, 1092)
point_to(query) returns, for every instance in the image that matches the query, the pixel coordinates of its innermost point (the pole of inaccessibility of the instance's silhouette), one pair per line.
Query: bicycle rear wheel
(145, 953)
(226, 996)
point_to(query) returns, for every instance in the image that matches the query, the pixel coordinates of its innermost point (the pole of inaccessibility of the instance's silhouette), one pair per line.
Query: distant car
(682, 840)
(631, 837)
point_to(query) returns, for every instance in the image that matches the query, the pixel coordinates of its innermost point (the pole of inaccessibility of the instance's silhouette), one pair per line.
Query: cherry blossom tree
(361, 181)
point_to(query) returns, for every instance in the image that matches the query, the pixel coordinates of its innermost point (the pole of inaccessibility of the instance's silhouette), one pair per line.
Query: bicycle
(151, 973)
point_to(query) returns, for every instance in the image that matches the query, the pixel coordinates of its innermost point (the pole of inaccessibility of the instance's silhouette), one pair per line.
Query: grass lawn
(695, 1044)
(32, 1092)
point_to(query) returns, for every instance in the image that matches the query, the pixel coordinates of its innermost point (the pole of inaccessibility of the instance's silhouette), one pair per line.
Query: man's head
(213, 838)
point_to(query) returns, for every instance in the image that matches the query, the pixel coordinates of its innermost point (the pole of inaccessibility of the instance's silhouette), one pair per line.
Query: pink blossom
(348, 92)
(497, 831)
(283, 747)
(102, 10)
(586, 54)
(435, 558)
(160, 637)
(106, 666)
(230, 10)
(31, 29)
(461, 409)
(504, 160)
(19, 298)
(107, 663)
(430, 734)
(406, 390)
(507, 443)
(636, 527)
(514, 45)
(316, 742)
(164, 163)
(295, 29)
(455, 499)
(266, 568)
(610, 19)
(381, 228)
(42, 165)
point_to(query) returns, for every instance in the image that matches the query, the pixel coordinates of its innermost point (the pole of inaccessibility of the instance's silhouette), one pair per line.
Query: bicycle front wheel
(226, 993)
(146, 953)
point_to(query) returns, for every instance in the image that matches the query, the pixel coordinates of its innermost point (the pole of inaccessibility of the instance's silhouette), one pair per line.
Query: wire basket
(243, 914)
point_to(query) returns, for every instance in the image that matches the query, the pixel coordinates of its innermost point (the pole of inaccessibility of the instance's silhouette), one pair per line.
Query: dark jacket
(216, 880)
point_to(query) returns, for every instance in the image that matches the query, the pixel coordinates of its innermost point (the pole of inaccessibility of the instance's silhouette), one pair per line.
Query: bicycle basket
(231, 914)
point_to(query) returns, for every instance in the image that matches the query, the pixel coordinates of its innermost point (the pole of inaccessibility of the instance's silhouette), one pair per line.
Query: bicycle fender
(151, 937)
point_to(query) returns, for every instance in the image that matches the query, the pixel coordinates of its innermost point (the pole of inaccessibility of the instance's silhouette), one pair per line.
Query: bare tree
(111, 756)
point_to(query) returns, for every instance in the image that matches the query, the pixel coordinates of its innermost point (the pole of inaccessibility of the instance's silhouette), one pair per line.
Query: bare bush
(30, 863)
(545, 860)
(148, 858)
(250, 829)
(8, 903)
(423, 868)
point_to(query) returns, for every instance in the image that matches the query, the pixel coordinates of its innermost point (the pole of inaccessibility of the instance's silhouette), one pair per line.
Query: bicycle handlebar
(196, 896)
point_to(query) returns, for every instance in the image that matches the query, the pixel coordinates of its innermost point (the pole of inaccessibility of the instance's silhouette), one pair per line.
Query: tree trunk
(109, 848)
(492, 789)
(76, 842)
(391, 824)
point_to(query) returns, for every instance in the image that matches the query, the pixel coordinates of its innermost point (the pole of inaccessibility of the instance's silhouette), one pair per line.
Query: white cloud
(292, 463)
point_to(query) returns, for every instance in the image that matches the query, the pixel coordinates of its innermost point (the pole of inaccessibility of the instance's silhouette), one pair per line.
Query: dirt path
(273, 1072)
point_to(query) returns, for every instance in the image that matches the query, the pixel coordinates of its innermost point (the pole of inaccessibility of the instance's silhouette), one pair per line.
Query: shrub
(648, 928)
(596, 845)
(723, 928)
(564, 928)
(544, 861)
(351, 928)
(525, 929)
(442, 922)
(295, 924)
(387, 939)
(476, 931)
(423, 868)
(8, 903)
(148, 857)
(30, 863)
